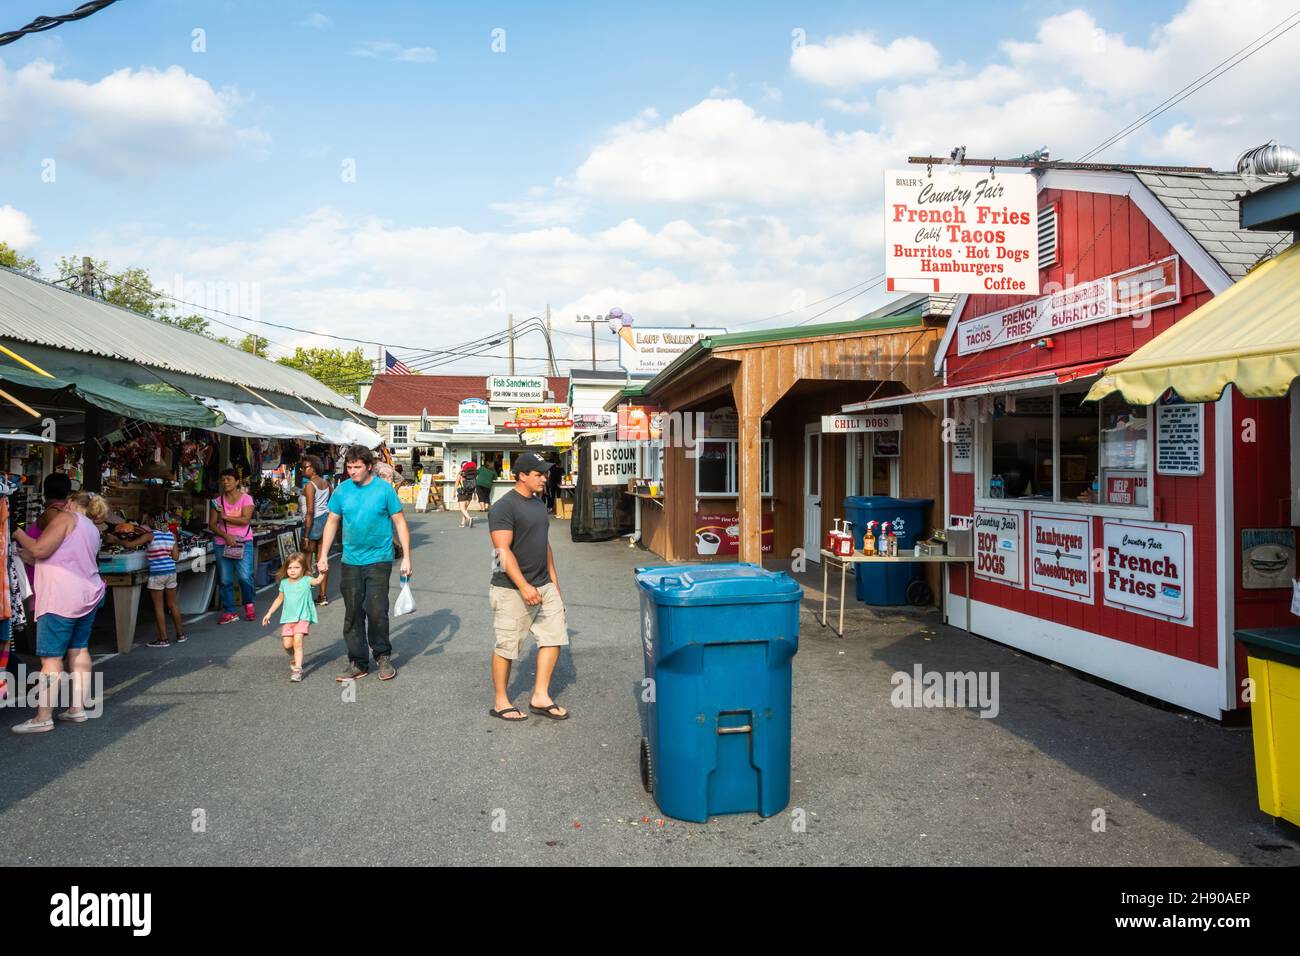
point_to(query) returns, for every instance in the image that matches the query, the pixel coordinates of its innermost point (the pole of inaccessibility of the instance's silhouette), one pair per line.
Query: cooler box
(886, 584)
(718, 640)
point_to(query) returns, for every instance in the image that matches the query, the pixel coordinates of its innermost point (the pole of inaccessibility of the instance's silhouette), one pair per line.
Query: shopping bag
(405, 600)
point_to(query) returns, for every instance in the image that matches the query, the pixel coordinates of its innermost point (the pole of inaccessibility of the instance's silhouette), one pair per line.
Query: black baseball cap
(530, 461)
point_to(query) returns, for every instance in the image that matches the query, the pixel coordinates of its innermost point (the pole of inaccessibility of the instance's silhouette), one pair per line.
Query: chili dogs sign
(997, 546)
(835, 424)
(958, 231)
(1060, 555)
(1148, 569)
(1130, 292)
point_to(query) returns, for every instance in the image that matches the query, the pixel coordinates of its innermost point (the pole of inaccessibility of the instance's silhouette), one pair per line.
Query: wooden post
(749, 411)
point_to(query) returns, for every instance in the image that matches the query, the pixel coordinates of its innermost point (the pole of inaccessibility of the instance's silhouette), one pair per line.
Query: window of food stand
(1051, 447)
(652, 460)
(717, 468)
(870, 473)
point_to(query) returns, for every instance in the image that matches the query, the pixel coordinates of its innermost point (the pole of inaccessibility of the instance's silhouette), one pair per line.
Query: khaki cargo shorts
(513, 620)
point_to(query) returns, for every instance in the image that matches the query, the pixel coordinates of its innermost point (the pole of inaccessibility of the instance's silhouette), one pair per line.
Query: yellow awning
(1249, 337)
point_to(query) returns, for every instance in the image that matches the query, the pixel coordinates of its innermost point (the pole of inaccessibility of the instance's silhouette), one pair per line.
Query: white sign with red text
(997, 546)
(956, 231)
(1060, 556)
(835, 424)
(1126, 293)
(1148, 569)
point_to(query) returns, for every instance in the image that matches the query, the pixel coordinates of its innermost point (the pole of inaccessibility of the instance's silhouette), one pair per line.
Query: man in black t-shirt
(525, 592)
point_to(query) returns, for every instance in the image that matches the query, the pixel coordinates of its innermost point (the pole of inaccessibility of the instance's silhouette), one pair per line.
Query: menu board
(1180, 439)
(1148, 569)
(963, 447)
(997, 546)
(1060, 554)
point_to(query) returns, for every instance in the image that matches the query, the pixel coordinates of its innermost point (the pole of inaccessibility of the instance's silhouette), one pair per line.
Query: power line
(41, 24)
(879, 280)
(834, 295)
(1197, 84)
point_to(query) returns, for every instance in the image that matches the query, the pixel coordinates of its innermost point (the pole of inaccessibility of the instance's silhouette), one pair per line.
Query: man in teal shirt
(370, 512)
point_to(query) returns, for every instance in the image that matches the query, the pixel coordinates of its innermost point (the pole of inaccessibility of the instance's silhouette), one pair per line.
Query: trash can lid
(885, 502)
(732, 583)
(1282, 642)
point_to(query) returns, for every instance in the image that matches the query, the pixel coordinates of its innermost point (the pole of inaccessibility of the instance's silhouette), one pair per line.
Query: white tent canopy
(247, 420)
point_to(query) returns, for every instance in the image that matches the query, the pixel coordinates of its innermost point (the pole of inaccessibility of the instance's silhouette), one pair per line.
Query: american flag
(395, 366)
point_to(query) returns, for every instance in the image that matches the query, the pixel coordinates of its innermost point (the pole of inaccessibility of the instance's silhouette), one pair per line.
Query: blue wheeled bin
(886, 584)
(718, 641)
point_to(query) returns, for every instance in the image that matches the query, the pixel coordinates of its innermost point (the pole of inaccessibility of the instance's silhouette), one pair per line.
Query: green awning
(159, 403)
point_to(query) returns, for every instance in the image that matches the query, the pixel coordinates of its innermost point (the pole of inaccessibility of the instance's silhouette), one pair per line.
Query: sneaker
(227, 618)
(180, 638)
(72, 716)
(33, 726)
(386, 670)
(353, 672)
(249, 612)
(158, 644)
(295, 675)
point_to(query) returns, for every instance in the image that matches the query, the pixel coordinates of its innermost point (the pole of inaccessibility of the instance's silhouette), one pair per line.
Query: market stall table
(127, 572)
(830, 557)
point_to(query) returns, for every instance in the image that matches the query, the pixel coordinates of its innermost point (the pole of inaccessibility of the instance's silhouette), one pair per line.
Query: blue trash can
(886, 584)
(718, 640)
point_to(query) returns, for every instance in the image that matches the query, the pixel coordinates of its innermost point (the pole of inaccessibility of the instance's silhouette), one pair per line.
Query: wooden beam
(748, 393)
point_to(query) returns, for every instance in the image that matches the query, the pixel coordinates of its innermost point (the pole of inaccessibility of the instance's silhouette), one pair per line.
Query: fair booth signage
(613, 462)
(1115, 296)
(474, 417)
(963, 447)
(960, 231)
(1148, 569)
(515, 389)
(648, 351)
(1060, 556)
(997, 546)
(836, 424)
(1180, 439)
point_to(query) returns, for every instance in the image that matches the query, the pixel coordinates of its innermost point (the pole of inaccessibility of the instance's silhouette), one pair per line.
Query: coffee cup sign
(997, 546)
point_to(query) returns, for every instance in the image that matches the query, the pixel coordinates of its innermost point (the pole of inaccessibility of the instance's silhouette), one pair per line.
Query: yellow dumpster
(1274, 658)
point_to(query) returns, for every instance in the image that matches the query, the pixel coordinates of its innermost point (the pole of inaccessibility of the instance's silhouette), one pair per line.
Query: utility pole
(511, 318)
(87, 276)
(549, 350)
(593, 322)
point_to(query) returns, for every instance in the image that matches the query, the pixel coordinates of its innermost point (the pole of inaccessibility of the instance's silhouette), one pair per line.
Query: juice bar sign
(997, 546)
(1148, 569)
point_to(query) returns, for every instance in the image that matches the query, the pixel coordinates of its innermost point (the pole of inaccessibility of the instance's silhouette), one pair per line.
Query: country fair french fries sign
(953, 231)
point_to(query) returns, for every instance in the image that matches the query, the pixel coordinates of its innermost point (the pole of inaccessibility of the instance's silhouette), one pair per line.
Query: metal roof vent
(1269, 160)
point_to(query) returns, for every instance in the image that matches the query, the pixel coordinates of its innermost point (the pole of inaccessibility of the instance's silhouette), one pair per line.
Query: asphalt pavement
(205, 754)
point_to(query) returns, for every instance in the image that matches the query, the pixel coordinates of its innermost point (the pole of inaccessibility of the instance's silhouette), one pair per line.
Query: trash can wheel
(647, 771)
(919, 594)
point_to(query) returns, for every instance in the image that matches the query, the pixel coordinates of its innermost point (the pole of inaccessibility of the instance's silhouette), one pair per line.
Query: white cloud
(723, 150)
(542, 207)
(852, 107)
(129, 123)
(16, 228)
(317, 21)
(387, 50)
(844, 62)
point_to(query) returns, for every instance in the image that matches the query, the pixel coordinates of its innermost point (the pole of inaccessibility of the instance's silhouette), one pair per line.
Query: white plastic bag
(405, 600)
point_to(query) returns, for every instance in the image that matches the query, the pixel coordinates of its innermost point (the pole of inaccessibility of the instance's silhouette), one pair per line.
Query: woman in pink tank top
(68, 593)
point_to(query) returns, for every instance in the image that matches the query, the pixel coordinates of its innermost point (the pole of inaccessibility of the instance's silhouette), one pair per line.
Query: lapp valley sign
(1125, 293)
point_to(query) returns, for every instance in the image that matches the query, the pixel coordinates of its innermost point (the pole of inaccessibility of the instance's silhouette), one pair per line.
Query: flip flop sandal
(549, 711)
(509, 710)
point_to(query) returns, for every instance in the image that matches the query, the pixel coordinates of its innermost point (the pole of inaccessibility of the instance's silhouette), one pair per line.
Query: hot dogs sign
(997, 546)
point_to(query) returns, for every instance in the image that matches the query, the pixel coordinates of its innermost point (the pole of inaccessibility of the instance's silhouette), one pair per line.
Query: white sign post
(955, 230)
(1060, 556)
(963, 448)
(1148, 569)
(515, 389)
(613, 462)
(997, 546)
(422, 495)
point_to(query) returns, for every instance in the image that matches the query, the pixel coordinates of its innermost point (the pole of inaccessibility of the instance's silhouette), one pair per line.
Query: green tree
(10, 258)
(255, 344)
(341, 370)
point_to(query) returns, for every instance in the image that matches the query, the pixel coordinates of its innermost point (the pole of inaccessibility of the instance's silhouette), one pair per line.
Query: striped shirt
(160, 553)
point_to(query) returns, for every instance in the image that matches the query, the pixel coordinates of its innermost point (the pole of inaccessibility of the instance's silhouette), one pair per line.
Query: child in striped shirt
(163, 550)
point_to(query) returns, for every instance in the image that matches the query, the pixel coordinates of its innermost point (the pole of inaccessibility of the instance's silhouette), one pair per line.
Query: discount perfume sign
(953, 230)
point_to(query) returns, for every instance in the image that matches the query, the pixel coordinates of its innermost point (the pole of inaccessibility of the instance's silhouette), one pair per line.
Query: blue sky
(690, 165)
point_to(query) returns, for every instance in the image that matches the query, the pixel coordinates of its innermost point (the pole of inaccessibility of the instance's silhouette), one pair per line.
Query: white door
(812, 492)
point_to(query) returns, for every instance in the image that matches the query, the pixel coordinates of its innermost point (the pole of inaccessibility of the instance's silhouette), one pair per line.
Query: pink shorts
(297, 627)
